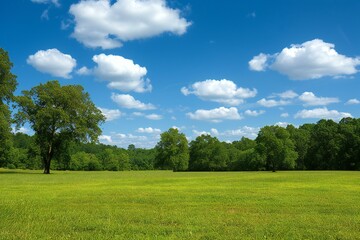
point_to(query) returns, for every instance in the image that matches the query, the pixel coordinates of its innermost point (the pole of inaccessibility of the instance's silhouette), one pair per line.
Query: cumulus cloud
(154, 116)
(105, 139)
(254, 113)
(128, 101)
(309, 60)
(106, 25)
(322, 113)
(290, 94)
(221, 91)
(110, 114)
(352, 102)
(249, 132)
(149, 130)
(272, 103)
(121, 73)
(53, 62)
(284, 115)
(310, 99)
(259, 62)
(84, 71)
(215, 115)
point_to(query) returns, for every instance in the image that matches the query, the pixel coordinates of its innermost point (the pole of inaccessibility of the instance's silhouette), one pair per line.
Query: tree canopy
(172, 151)
(8, 85)
(58, 114)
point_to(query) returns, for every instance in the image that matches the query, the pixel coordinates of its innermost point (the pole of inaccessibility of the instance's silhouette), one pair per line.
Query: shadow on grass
(17, 171)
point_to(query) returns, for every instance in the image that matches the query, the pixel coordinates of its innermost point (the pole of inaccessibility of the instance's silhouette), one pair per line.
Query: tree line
(66, 126)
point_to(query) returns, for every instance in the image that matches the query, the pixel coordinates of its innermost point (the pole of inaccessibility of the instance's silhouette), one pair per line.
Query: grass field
(167, 205)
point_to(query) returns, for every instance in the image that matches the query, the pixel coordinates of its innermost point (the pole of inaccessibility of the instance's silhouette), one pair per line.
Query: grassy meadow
(182, 205)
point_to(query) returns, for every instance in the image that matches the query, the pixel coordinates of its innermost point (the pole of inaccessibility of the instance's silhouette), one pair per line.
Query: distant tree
(172, 151)
(7, 87)
(208, 154)
(276, 147)
(58, 114)
(301, 138)
(349, 152)
(325, 144)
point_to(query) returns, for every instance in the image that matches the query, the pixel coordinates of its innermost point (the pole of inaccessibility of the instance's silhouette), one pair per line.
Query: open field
(167, 205)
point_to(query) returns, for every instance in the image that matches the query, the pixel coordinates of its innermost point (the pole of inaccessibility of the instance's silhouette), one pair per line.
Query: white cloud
(84, 71)
(259, 62)
(105, 139)
(123, 74)
(272, 103)
(52, 61)
(221, 91)
(322, 113)
(254, 113)
(200, 133)
(284, 115)
(149, 130)
(214, 131)
(249, 132)
(100, 24)
(290, 94)
(154, 116)
(215, 115)
(128, 101)
(352, 102)
(110, 114)
(55, 2)
(282, 124)
(311, 60)
(310, 99)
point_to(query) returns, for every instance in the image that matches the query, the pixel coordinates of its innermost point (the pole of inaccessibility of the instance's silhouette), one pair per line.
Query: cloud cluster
(110, 114)
(106, 25)
(128, 101)
(322, 113)
(309, 60)
(215, 115)
(53, 62)
(272, 103)
(353, 101)
(123, 74)
(310, 99)
(149, 130)
(221, 91)
(254, 113)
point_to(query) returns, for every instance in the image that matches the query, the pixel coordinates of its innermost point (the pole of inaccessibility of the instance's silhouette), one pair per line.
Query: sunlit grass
(167, 205)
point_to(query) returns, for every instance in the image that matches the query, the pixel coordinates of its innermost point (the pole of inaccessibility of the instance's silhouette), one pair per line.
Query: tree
(301, 138)
(275, 145)
(58, 114)
(172, 151)
(7, 87)
(208, 154)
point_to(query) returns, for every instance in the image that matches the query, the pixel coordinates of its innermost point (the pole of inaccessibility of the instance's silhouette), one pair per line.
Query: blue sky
(226, 68)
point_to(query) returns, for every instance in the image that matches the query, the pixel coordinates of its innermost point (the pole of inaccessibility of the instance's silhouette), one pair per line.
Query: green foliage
(276, 147)
(58, 114)
(172, 151)
(208, 154)
(7, 87)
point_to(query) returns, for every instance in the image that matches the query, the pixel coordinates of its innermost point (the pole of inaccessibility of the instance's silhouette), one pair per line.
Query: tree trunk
(47, 166)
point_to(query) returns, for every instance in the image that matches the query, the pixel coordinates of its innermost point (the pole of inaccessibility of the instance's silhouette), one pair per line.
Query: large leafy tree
(7, 87)
(172, 151)
(58, 114)
(208, 154)
(275, 145)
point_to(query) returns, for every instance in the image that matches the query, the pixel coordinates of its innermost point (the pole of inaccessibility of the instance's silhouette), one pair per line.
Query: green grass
(167, 205)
